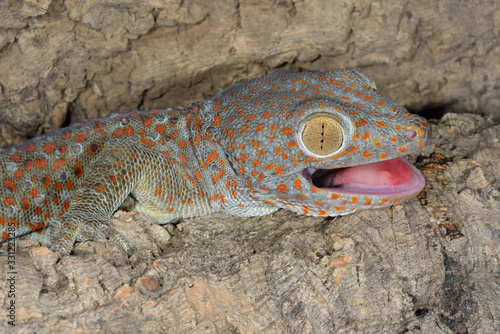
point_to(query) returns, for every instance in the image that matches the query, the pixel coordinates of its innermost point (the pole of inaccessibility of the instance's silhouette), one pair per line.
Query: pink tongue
(388, 172)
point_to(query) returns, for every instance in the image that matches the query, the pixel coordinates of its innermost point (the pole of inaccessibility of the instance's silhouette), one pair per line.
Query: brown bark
(429, 266)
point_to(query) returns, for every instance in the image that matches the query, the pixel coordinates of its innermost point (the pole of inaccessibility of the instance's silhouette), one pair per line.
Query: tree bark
(428, 266)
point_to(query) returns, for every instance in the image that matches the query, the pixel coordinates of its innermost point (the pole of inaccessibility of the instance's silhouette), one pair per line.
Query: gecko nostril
(411, 134)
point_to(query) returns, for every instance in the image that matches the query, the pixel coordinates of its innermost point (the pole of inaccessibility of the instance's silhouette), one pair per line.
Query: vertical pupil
(322, 135)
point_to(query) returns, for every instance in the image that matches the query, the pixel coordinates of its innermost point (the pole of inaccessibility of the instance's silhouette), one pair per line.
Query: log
(428, 266)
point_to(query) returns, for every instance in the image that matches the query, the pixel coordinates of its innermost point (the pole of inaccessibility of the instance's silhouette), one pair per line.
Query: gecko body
(316, 143)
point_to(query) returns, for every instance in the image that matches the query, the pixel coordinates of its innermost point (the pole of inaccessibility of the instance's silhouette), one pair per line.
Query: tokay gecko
(316, 143)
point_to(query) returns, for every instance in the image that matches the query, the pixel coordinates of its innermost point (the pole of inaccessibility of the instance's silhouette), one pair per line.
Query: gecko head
(320, 143)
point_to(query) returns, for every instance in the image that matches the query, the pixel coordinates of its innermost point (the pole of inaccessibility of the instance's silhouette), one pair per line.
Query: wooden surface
(429, 266)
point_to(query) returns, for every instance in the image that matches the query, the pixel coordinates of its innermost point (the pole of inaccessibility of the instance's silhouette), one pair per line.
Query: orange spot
(367, 154)
(147, 121)
(92, 148)
(99, 127)
(80, 138)
(15, 157)
(286, 131)
(31, 148)
(28, 164)
(26, 204)
(49, 147)
(381, 124)
(282, 188)
(402, 149)
(242, 158)
(46, 181)
(78, 169)
(278, 170)
(160, 129)
(255, 143)
(9, 184)
(129, 131)
(217, 120)
(58, 164)
(40, 163)
(118, 133)
(335, 196)
(366, 136)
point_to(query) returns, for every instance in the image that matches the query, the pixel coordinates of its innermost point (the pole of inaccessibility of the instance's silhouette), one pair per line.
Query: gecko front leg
(122, 169)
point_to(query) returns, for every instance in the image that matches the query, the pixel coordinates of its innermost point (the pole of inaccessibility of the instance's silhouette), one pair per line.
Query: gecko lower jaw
(394, 178)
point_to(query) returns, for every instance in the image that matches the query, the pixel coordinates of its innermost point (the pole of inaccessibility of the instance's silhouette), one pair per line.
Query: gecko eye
(322, 136)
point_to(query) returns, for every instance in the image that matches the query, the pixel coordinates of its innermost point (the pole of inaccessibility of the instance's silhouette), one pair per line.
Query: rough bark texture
(430, 266)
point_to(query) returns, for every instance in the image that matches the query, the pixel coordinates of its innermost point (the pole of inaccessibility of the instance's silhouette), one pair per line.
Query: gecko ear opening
(322, 136)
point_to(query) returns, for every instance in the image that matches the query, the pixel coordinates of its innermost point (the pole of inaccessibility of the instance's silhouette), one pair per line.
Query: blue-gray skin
(282, 140)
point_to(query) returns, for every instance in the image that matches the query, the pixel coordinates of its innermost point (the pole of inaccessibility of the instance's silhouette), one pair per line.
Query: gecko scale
(316, 143)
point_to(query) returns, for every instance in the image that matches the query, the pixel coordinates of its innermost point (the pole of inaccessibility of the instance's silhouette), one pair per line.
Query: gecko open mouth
(394, 177)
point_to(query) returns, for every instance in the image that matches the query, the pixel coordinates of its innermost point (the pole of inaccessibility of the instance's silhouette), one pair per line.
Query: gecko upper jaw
(394, 177)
